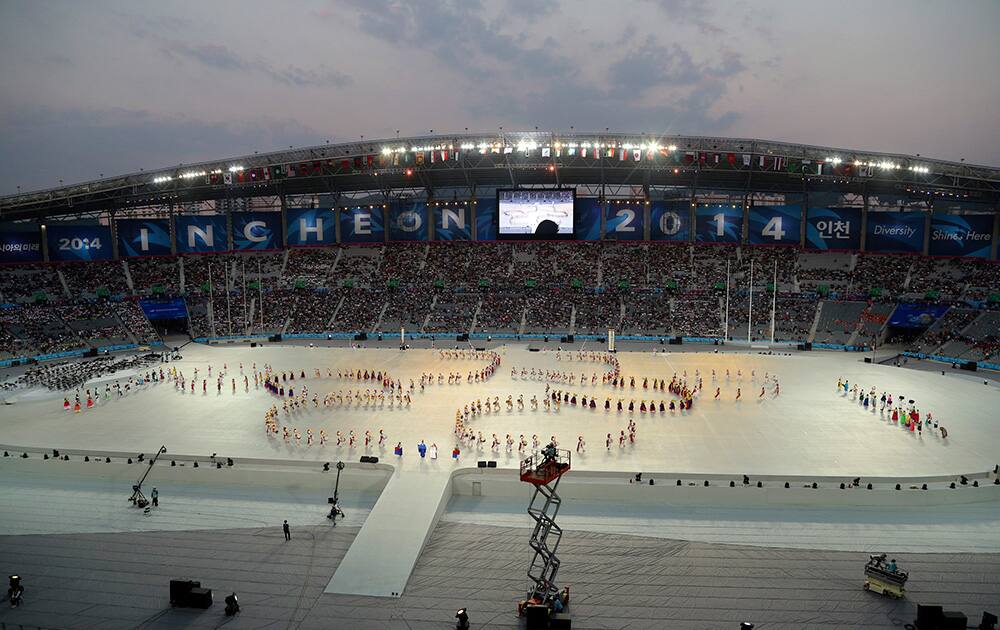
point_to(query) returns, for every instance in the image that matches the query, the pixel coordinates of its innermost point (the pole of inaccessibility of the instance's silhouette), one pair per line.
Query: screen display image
(541, 214)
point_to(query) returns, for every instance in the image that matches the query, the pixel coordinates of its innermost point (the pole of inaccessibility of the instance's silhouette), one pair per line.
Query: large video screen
(535, 214)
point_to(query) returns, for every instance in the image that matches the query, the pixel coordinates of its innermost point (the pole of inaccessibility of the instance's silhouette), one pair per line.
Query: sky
(106, 87)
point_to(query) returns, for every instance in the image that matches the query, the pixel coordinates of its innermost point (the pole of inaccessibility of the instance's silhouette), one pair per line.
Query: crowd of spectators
(656, 288)
(311, 311)
(625, 263)
(670, 263)
(22, 282)
(310, 268)
(38, 329)
(87, 279)
(135, 321)
(885, 272)
(208, 274)
(501, 311)
(696, 314)
(595, 313)
(646, 312)
(453, 313)
(359, 310)
(946, 328)
(148, 273)
(548, 311)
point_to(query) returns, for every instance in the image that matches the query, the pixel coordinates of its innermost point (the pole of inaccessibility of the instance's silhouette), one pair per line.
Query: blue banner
(961, 235)
(256, 230)
(361, 224)
(669, 222)
(201, 233)
(20, 244)
(486, 227)
(774, 225)
(833, 228)
(624, 221)
(587, 219)
(916, 315)
(718, 224)
(453, 222)
(143, 237)
(310, 226)
(173, 308)
(899, 232)
(408, 221)
(72, 242)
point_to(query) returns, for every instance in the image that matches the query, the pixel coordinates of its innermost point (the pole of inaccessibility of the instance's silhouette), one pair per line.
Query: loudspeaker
(179, 591)
(537, 617)
(462, 337)
(559, 622)
(675, 341)
(361, 337)
(868, 359)
(253, 344)
(90, 353)
(928, 617)
(970, 366)
(807, 346)
(569, 338)
(953, 620)
(491, 464)
(274, 338)
(369, 459)
(481, 464)
(200, 598)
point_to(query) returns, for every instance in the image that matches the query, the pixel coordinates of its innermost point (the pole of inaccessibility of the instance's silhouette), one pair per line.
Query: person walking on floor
(288, 533)
(155, 495)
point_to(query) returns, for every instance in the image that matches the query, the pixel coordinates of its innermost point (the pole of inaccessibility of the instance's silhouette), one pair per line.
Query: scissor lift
(544, 470)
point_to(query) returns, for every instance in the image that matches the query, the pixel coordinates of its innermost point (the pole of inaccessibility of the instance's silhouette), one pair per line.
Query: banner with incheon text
(453, 222)
(310, 226)
(143, 237)
(833, 228)
(256, 231)
(201, 233)
(408, 221)
(362, 224)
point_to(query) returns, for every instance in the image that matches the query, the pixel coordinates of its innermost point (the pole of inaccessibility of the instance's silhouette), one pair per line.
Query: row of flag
(419, 158)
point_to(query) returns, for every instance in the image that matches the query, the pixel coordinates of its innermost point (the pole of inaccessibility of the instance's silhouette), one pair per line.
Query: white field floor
(808, 430)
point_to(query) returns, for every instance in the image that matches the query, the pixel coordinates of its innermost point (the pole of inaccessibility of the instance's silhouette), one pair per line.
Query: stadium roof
(475, 161)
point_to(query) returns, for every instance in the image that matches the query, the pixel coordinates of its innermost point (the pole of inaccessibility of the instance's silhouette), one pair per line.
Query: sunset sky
(110, 86)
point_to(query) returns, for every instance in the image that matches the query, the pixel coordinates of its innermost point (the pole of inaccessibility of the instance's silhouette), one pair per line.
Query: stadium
(756, 362)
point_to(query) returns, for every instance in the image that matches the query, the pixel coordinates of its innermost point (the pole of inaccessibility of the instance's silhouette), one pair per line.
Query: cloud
(532, 8)
(40, 146)
(693, 12)
(222, 58)
(455, 32)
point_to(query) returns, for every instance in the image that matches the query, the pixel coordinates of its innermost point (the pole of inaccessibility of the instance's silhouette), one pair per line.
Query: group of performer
(89, 398)
(897, 409)
(351, 440)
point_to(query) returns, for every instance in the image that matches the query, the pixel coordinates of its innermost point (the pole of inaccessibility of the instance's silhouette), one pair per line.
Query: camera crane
(138, 499)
